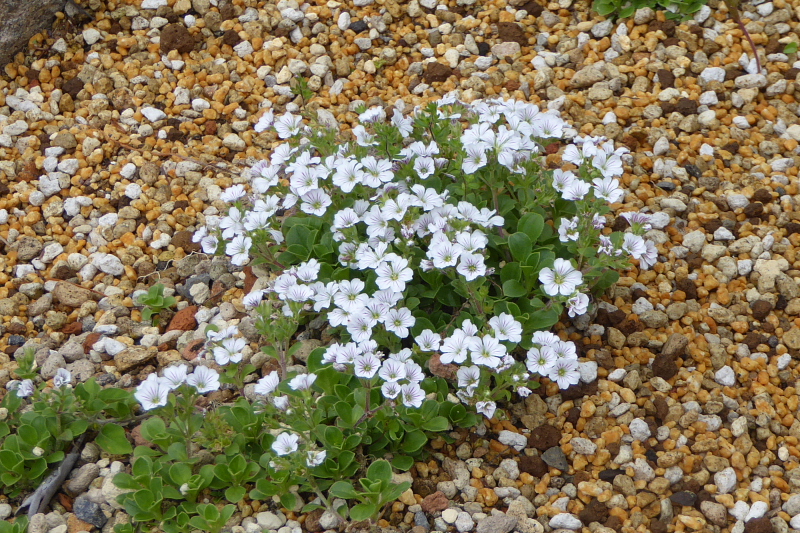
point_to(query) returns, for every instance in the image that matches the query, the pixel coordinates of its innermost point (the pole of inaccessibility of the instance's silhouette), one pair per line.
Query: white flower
(393, 275)
(565, 350)
(204, 379)
(288, 125)
(390, 390)
(471, 266)
(302, 381)
(506, 328)
(376, 171)
(315, 202)
(639, 222)
(392, 370)
(475, 158)
(487, 409)
(265, 122)
(524, 392)
(348, 175)
(468, 376)
(609, 165)
(363, 137)
(424, 167)
(578, 304)
(541, 360)
(365, 366)
(239, 249)
(233, 193)
(304, 179)
(411, 395)
(565, 373)
(253, 298)
(576, 190)
(359, 327)
(649, 258)
(608, 189)
(404, 125)
(315, 457)
(428, 341)
(444, 254)
(349, 296)
(487, 351)
(398, 321)
(285, 443)
(544, 338)
(175, 376)
(281, 403)
(230, 351)
(152, 392)
(562, 279)
(345, 218)
(25, 388)
(568, 229)
(373, 114)
(268, 383)
(562, 179)
(634, 245)
(62, 377)
(472, 241)
(414, 373)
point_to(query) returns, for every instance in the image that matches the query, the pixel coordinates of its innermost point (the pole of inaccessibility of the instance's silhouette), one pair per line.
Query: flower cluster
(393, 217)
(154, 391)
(26, 388)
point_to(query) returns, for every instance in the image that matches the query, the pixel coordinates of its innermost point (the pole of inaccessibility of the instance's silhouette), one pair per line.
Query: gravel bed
(117, 140)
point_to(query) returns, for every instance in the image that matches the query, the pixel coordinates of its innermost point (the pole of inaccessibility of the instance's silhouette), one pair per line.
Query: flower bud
(37, 451)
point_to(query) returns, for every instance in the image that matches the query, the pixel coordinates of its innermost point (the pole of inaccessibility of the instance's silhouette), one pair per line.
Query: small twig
(37, 501)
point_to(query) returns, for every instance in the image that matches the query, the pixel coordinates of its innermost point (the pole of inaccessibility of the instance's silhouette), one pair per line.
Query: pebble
(153, 115)
(515, 440)
(464, 522)
(565, 521)
(725, 480)
(450, 515)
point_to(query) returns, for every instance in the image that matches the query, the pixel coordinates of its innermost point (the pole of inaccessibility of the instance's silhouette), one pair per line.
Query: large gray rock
(19, 21)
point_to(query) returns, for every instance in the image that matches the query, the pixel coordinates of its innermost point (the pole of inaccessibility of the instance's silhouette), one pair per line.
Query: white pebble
(639, 429)
(565, 521)
(128, 171)
(725, 480)
(725, 376)
(133, 191)
(153, 115)
(153, 4)
(515, 440)
(757, 510)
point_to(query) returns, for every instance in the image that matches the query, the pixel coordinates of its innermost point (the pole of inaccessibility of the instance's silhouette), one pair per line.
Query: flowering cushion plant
(439, 250)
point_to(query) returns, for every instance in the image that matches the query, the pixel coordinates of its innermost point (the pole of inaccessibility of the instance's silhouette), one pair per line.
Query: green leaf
(531, 224)
(288, 500)
(380, 470)
(343, 489)
(436, 424)
(414, 441)
(520, 245)
(112, 439)
(180, 473)
(153, 429)
(791, 48)
(402, 462)
(235, 494)
(605, 280)
(544, 319)
(514, 289)
(363, 511)
(510, 272)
